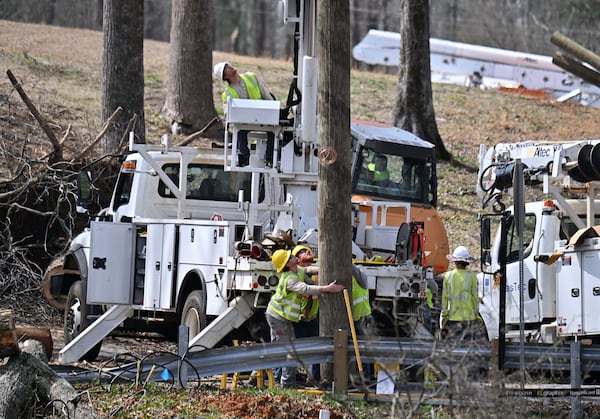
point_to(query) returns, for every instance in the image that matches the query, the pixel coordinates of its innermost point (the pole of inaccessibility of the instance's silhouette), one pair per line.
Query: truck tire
(75, 319)
(193, 314)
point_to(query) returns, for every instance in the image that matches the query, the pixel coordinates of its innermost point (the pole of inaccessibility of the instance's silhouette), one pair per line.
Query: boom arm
(544, 163)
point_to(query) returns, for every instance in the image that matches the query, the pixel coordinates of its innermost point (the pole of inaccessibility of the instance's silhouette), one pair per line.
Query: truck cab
(394, 181)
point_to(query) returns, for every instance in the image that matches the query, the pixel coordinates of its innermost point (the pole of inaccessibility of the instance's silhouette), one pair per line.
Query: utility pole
(334, 189)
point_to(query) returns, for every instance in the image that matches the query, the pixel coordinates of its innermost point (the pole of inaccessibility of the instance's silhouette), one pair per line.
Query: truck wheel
(75, 319)
(193, 314)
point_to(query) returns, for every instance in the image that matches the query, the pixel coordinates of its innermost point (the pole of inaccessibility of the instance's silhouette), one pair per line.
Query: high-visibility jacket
(310, 303)
(429, 297)
(378, 175)
(361, 307)
(287, 304)
(252, 86)
(460, 299)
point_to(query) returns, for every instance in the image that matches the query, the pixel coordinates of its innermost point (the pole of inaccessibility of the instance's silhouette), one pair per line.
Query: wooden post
(576, 50)
(575, 67)
(340, 361)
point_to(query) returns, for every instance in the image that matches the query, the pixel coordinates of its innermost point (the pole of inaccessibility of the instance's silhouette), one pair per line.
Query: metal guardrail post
(575, 378)
(183, 339)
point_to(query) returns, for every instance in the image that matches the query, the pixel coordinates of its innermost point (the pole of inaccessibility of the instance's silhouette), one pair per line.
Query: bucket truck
(553, 264)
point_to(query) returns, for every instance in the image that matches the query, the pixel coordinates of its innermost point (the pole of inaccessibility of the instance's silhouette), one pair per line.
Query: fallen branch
(197, 134)
(55, 156)
(98, 137)
(130, 125)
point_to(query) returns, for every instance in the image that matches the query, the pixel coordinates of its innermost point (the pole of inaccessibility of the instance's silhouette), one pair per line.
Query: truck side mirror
(485, 228)
(84, 189)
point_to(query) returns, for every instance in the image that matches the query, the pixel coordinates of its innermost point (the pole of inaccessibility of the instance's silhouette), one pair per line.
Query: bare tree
(334, 191)
(413, 107)
(123, 69)
(189, 105)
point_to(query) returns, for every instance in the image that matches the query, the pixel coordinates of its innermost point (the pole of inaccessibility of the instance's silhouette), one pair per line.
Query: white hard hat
(220, 69)
(461, 254)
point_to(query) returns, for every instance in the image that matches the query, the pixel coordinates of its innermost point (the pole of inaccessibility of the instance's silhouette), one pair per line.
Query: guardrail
(404, 351)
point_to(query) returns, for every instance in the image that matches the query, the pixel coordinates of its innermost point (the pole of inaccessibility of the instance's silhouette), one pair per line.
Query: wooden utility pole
(575, 57)
(334, 190)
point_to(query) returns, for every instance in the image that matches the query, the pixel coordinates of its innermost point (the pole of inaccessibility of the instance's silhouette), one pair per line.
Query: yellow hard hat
(280, 259)
(299, 248)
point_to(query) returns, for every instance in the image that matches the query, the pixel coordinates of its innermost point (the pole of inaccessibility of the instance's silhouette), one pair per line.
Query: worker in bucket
(245, 86)
(285, 306)
(460, 298)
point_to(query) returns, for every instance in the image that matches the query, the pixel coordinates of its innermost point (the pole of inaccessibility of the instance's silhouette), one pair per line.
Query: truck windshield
(207, 182)
(392, 177)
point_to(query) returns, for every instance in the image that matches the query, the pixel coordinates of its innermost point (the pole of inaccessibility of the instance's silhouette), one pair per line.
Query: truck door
(531, 295)
(160, 265)
(110, 269)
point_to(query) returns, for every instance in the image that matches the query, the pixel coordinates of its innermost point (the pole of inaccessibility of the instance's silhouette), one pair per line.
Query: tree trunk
(123, 69)
(334, 190)
(189, 105)
(413, 108)
(25, 378)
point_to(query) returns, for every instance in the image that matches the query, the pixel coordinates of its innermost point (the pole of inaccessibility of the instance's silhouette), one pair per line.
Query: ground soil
(60, 69)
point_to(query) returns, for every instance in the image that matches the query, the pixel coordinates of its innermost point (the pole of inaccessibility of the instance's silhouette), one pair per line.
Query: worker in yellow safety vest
(285, 307)
(245, 86)
(378, 170)
(460, 298)
(361, 306)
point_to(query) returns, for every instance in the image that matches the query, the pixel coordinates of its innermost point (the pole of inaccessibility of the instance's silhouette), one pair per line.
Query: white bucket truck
(554, 260)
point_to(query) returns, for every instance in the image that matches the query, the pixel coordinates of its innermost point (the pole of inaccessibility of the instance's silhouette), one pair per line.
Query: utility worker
(380, 174)
(285, 307)
(460, 298)
(310, 305)
(245, 86)
(361, 306)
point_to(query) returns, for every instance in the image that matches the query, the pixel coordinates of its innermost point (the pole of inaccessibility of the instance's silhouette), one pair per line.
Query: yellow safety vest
(287, 304)
(310, 303)
(361, 307)
(251, 84)
(460, 299)
(378, 175)
(429, 297)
